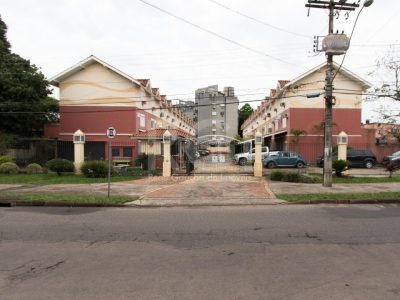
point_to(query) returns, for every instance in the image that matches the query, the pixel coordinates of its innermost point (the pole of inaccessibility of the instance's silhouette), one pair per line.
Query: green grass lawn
(52, 178)
(68, 198)
(340, 196)
(395, 178)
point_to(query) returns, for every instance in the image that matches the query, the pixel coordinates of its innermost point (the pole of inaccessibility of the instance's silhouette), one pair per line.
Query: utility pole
(332, 6)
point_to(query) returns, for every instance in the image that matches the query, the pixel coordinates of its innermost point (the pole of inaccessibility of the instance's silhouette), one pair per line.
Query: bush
(306, 178)
(95, 169)
(339, 165)
(277, 175)
(5, 158)
(9, 168)
(291, 177)
(60, 165)
(33, 169)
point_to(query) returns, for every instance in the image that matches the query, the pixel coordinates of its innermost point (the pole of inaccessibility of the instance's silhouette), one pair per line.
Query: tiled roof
(273, 93)
(143, 82)
(159, 133)
(282, 83)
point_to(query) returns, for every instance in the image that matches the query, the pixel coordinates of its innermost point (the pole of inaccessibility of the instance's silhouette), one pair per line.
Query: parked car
(203, 152)
(356, 158)
(388, 158)
(243, 158)
(284, 159)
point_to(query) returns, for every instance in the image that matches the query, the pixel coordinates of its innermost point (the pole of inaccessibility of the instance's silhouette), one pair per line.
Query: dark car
(284, 159)
(203, 152)
(356, 158)
(388, 158)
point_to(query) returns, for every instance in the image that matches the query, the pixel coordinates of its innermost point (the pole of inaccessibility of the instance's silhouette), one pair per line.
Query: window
(127, 151)
(152, 124)
(115, 152)
(213, 122)
(142, 120)
(214, 113)
(222, 113)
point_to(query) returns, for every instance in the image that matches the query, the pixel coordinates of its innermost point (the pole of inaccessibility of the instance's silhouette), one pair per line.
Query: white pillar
(167, 154)
(342, 141)
(258, 168)
(79, 150)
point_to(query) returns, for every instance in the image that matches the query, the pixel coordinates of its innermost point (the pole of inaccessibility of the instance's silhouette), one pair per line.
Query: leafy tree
(23, 93)
(244, 112)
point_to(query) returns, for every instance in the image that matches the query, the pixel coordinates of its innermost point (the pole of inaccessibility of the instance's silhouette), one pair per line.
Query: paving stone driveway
(213, 189)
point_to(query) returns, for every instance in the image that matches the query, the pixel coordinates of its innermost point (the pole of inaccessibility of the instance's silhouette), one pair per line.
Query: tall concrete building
(216, 112)
(187, 107)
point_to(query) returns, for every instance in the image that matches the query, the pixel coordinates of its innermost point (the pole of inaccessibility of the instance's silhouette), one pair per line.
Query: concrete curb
(14, 203)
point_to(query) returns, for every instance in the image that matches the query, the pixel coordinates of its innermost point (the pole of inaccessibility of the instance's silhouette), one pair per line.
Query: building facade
(187, 107)
(216, 112)
(289, 120)
(95, 96)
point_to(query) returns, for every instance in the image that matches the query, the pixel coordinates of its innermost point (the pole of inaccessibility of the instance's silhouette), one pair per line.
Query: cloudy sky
(245, 44)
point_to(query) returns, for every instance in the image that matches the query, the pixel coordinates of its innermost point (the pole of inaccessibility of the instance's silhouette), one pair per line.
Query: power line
(214, 33)
(259, 21)
(188, 106)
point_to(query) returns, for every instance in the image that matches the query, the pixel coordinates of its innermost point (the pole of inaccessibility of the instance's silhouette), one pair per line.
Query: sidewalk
(202, 190)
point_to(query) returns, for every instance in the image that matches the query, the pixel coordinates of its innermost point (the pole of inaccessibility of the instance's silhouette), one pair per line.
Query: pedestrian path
(212, 190)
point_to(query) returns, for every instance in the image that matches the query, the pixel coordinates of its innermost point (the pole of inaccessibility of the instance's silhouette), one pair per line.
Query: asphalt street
(273, 252)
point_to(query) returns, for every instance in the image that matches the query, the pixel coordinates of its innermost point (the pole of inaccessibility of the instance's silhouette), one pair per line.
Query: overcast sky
(179, 58)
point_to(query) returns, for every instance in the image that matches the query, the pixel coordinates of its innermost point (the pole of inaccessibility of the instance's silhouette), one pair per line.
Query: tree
(244, 112)
(390, 62)
(297, 132)
(24, 102)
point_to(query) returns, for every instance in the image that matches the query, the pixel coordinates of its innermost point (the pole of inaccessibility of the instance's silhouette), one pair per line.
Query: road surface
(275, 252)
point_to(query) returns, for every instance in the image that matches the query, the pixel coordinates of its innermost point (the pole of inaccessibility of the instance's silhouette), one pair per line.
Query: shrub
(33, 169)
(95, 169)
(291, 177)
(306, 178)
(9, 168)
(392, 167)
(277, 175)
(60, 165)
(339, 165)
(5, 158)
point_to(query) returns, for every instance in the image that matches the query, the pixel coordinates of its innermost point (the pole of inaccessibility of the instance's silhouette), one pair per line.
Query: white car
(243, 158)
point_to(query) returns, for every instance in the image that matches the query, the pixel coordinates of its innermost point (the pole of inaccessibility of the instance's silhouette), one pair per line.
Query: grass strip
(356, 180)
(340, 196)
(44, 179)
(68, 198)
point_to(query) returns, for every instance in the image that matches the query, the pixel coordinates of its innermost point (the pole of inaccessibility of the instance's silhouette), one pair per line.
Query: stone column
(342, 141)
(258, 168)
(79, 150)
(167, 154)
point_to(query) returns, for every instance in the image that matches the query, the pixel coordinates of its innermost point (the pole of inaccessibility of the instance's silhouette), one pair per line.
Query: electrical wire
(259, 21)
(216, 34)
(351, 36)
(188, 106)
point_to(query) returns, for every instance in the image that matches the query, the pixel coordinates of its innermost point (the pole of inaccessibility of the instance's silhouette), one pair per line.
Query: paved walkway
(213, 190)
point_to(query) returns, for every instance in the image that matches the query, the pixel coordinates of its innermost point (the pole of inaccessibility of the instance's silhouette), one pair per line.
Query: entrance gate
(216, 156)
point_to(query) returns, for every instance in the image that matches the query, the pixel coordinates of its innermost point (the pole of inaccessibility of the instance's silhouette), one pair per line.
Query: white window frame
(142, 120)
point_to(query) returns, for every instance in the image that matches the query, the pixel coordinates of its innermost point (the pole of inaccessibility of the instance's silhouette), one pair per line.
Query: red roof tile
(144, 82)
(282, 83)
